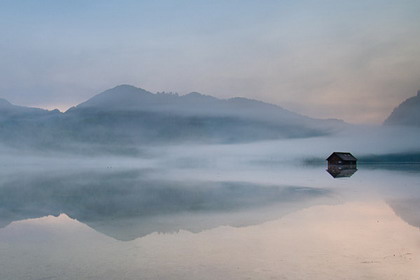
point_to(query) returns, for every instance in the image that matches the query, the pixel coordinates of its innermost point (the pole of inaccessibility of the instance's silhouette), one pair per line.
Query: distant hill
(407, 113)
(8, 111)
(24, 126)
(127, 116)
(135, 115)
(129, 98)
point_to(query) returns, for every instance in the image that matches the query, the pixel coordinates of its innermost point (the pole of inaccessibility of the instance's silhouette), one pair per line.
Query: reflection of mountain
(126, 115)
(127, 205)
(407, 209)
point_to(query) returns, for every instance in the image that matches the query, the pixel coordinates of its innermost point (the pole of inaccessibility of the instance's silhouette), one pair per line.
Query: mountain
(139, 116)
(129, 98)
(126, 116)
(4, 103)
(8, 110)
(25, 126)
(123, 97)
(407, 113)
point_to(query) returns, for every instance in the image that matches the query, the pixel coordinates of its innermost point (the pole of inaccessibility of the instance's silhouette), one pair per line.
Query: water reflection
(341, 171)
(243, 225)
(407, 209)
(130, 204)
(358, 240)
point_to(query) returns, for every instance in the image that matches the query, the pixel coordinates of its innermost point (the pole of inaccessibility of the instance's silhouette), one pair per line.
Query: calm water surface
(262, 221)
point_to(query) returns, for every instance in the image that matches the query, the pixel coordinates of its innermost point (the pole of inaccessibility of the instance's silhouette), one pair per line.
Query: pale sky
(352, 60)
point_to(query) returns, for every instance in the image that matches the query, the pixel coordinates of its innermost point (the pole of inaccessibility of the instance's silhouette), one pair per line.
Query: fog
(143, 183)
(186, 209)
(122, 194)
(117, 167)
(360, 140)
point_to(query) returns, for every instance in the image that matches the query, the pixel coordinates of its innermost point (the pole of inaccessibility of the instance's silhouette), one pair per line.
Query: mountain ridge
(126, 116)
(407, 113)
(9, 111)
(130, 98)
(127, 97)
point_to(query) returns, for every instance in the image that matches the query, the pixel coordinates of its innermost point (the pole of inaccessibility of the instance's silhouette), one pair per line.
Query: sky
(351, 60)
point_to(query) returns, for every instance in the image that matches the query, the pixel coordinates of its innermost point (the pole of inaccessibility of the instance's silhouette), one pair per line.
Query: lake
(196, 219)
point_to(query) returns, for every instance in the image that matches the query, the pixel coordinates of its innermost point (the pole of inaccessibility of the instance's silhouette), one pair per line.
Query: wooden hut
(342, 159)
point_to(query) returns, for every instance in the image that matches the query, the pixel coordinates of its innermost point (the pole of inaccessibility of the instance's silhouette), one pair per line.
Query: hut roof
(343, 156)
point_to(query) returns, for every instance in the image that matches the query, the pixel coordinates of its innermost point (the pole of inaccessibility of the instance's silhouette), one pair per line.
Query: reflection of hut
(340, 171)
(342, 159)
